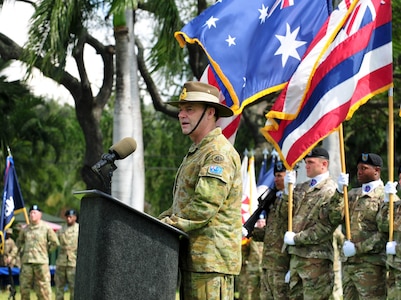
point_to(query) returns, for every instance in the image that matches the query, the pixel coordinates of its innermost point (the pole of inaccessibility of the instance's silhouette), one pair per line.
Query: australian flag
(254, 47)
(12, 199)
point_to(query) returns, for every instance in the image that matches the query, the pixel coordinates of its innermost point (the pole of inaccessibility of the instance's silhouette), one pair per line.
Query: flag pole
(391, 161)
(345, 188)
(290, 194)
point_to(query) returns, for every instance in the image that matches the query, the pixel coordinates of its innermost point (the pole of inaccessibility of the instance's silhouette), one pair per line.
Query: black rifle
(264, 200)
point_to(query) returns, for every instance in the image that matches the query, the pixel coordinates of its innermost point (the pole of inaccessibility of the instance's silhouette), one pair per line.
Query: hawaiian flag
(355, 66)
(229, 126)
(254, 47)
(12, 200)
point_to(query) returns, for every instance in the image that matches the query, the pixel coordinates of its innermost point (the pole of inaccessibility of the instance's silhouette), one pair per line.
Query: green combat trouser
(206, 286)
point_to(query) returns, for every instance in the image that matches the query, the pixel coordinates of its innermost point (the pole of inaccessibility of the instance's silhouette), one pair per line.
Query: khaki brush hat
(199, 92)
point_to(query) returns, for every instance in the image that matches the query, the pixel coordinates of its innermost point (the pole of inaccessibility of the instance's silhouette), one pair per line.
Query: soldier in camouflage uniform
(316, 215)
(67, 256)
(393, 248)
(10, 257)
(251, 271)
(275, 262)
(207, 198)
(35, 242)
(363, 257)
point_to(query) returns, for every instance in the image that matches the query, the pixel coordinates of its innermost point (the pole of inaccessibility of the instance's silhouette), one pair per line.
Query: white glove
(343, 180)
(289, 238)
(287, 277)
(390, 188)
(244, 232)
(390, 247)
(349, 249)
(290, 177)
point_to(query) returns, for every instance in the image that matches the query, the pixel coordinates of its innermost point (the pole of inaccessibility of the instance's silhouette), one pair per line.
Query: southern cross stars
(211, 22)
(289, 45)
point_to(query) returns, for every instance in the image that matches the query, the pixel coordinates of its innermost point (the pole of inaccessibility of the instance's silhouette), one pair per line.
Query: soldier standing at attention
(207, 198)
(35, 242)
(275, 263)
(364, 256)
(67, 257)
(316, 215)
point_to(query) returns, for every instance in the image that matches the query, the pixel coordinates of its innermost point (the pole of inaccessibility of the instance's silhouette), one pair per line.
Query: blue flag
(266, 179)
(12, 199)
(254, 47)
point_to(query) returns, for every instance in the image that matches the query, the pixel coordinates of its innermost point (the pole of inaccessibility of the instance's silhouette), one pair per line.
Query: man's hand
(349, 248)
(289, 238)
(390, 248)
(290, 177)
(343, 180)
(390, 188)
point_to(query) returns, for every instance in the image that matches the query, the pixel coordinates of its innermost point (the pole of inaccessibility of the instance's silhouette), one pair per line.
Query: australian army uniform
(35, 242)
(316, 216)
(66, 260)
(207, 206)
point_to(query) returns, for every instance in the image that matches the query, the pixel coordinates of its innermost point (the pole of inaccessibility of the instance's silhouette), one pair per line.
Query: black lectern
(124, 253)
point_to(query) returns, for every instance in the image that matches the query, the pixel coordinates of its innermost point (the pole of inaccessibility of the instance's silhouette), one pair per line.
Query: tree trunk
(128, 180)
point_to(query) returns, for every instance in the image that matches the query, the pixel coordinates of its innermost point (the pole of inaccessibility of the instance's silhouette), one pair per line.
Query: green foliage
(47, 146)
(164, 148)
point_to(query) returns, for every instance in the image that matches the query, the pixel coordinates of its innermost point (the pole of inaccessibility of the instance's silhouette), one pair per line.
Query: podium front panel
(124, 253)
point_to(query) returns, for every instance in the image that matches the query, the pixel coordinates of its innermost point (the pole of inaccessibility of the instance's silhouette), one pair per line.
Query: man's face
(35, 216)
(279, 180)
(189, 116)
(366, 173)
(71, 220)
(315, 166)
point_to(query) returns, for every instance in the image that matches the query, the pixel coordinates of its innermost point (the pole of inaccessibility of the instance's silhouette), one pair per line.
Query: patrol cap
(200, 92)
(70, 212)
(318, 152)
(370, 159)
(35, 207)
(279, 166)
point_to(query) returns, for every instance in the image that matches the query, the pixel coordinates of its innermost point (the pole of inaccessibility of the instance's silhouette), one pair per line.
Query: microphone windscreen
(124, 147)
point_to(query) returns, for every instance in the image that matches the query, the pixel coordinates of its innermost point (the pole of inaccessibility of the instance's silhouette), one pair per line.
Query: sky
(14, 18)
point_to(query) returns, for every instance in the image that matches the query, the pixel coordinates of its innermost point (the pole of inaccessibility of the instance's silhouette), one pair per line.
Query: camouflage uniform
(207, 206)
(316, 216)
(275, 262)
(10, 252)
(66, 260)
(364, 274)
(251, 271)
(393, 261)
(35, 242)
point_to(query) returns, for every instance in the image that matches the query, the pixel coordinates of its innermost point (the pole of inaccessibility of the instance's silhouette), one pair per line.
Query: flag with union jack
(355, 66)
(254, 46)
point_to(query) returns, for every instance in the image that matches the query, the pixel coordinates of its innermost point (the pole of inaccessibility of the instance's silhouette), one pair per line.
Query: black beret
(34, 207)
(70, 212)
(370, 159)
(279, 167)
(318, 152)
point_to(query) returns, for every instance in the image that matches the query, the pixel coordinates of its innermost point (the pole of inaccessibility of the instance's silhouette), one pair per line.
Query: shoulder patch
(218, 158)
(215, 170)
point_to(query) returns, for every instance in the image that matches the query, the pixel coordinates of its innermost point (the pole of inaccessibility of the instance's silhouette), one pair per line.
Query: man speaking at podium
(207, 198)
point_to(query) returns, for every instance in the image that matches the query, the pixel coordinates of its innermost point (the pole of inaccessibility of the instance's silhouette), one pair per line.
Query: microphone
(120, 150)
